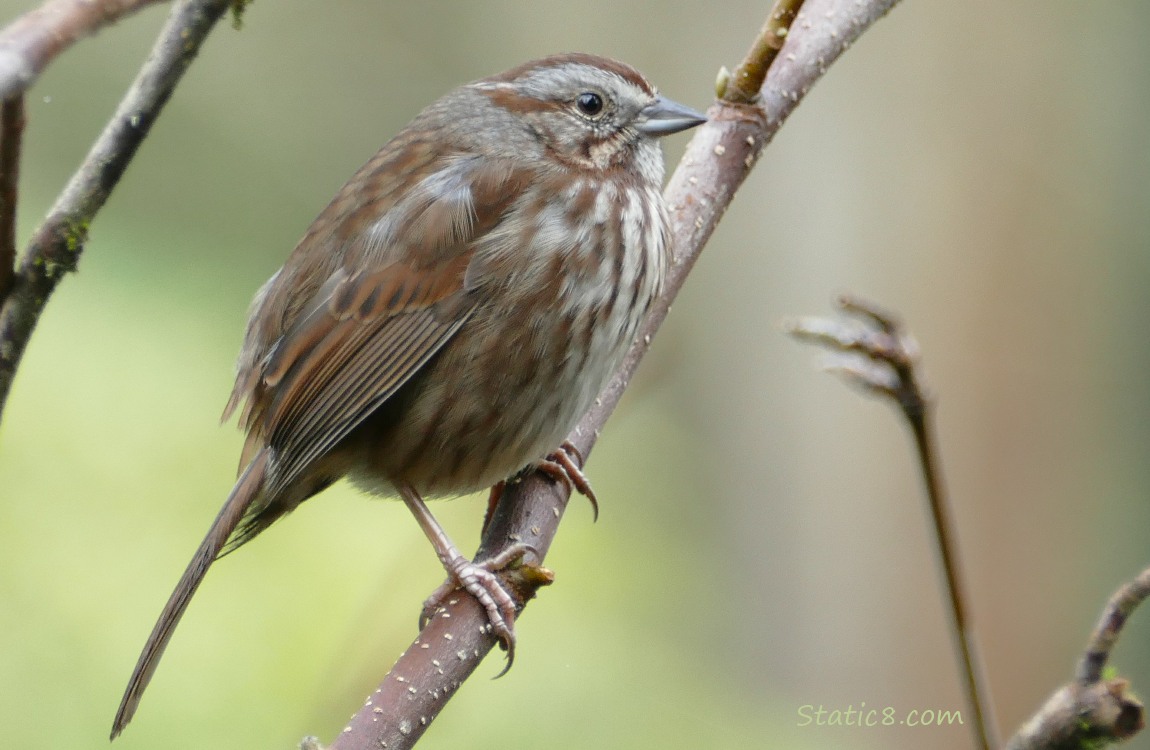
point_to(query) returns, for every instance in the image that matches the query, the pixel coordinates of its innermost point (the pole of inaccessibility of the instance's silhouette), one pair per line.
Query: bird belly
(514, 380)
(501, 395)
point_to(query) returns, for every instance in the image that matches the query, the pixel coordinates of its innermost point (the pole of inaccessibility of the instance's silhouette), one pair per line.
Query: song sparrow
(453, 312)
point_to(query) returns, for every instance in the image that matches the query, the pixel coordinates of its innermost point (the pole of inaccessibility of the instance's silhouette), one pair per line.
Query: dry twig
(882, 358)
(1091, 711)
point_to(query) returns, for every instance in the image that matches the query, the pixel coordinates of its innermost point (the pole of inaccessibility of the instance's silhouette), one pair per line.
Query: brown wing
(351, 355)
(399, 296)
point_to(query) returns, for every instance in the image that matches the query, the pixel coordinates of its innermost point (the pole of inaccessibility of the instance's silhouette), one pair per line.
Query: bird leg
(476, 578)
(493, 499)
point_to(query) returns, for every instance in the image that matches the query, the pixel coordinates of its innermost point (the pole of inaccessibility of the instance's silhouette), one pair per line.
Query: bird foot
(480, 580)
(565, 466)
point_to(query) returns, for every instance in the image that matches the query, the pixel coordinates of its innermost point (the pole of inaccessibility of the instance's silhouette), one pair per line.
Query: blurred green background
(982, 167)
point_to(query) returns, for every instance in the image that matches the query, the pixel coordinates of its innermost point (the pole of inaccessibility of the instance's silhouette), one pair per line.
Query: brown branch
(883, 358)
(717, 161)
(56, 246)
(34, 39)
(1109, 627)
(11, 132)
(743, 87)
(1091, 711)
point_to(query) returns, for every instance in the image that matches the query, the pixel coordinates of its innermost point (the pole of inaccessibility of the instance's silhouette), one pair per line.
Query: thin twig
(1105, 636)
(743, 87)
(1092, 710)
(56, 246)
(985, 725)
(716, 162)
(11, 132)
(883, 358)
(34, 39)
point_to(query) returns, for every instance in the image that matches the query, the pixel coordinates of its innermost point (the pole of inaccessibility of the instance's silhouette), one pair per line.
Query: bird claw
(565, 466)
(480, 580)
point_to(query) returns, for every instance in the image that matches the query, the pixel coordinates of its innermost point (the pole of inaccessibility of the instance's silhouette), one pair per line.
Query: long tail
(246, 489)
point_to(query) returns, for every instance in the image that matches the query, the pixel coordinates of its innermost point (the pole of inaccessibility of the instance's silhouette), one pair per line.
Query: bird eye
(589, 103)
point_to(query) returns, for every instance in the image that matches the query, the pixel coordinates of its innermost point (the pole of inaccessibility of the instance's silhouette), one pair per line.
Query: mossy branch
(56, 246)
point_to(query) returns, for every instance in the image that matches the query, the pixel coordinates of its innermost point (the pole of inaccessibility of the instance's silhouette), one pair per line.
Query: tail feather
(247, 488)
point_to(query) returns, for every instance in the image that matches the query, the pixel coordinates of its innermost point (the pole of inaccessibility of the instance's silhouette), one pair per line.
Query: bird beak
(663, 117)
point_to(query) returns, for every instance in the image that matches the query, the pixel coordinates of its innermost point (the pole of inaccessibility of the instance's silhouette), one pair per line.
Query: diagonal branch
(56, 246)
(34, 39)
(717, 161)
(11, 133)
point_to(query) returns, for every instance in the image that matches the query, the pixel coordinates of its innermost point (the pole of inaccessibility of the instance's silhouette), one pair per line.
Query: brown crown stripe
(624, 71)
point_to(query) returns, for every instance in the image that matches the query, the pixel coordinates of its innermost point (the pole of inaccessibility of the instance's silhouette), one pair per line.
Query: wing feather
(385, 356)
(397, 298)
